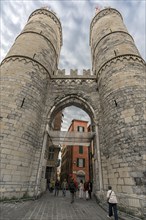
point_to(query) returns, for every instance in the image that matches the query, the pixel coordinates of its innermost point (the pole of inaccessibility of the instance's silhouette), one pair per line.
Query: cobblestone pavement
(49, 207)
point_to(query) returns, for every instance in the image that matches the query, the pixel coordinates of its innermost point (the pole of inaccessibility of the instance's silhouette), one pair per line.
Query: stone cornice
(26, 60)
(120, 58)
(73, 81)
(52, 16)
(100, 14)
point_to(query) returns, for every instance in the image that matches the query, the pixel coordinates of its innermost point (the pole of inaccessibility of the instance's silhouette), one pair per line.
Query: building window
(80, 162)
(49, 172)
(51, 153)
(80, 149)
(80, 129)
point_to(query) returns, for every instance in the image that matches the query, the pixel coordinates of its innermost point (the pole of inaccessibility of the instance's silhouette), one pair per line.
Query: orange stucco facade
(75, 159)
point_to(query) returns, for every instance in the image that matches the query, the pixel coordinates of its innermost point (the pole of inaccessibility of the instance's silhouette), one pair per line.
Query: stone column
(120, 73)
(25, 76)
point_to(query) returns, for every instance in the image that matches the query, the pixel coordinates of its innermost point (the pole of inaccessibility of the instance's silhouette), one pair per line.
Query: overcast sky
(75, 17)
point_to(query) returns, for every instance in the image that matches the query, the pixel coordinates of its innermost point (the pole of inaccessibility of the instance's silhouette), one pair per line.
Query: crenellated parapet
(74, 73)
(73, 78)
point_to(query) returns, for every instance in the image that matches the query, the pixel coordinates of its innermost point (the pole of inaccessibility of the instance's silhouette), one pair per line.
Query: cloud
(71, 113)
(75, 17)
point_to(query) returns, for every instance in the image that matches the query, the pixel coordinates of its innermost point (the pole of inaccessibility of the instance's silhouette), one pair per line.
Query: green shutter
(77, 162)
(80, 149)
(83, 162)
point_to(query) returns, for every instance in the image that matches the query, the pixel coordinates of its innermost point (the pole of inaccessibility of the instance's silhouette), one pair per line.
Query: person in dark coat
(90, 189)
(86, 188)
(72, 189)
(48, 184)
(57, 187)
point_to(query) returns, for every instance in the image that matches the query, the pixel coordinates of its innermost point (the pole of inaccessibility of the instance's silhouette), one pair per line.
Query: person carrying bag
(86, 188)
(112, 201)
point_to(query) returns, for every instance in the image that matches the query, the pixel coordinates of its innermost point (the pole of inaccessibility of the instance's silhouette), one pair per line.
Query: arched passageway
(85, 139)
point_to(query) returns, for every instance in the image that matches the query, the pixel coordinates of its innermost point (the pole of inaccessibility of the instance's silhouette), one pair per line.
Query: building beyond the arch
(34, 90)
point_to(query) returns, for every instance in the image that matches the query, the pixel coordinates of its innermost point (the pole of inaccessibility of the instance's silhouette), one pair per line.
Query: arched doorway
(81, 176)
(80, 102)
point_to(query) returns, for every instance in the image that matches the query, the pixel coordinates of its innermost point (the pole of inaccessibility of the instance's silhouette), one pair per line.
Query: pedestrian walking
(52, 185)
(112, 201)
(86, 188)
(57, 187)
(90, 189)
(64, 187)
(81, 189)
(72, 189)
(48, 184)
(76, 188)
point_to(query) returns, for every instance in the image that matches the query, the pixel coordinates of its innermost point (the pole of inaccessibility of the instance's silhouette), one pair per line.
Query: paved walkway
(49, 207)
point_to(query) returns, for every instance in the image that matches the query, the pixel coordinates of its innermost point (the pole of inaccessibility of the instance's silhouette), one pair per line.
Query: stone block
(129, 181)
(128, 119)
(16, 178)
(128, 113)
(116, 174)
(119, 188)
(127, 189)
(7, 178)
(86, 72)
(60, 72)
(6, 151)
(124, 174)
(73, 72)
(116, 165)
(123, 164)
(120, 181)
(144, 157)
(134, 202)
(11, 167)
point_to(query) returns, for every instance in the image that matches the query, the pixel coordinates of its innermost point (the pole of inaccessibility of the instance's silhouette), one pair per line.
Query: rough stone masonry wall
(24, 81)
(121, 81)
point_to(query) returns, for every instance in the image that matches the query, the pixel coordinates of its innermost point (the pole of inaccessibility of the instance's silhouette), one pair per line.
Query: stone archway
(80, 175)
(79, 101)
(68, 100)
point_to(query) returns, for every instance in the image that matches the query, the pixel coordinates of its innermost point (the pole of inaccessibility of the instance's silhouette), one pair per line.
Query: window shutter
(80, 149)
(77, 162)
(83, 162)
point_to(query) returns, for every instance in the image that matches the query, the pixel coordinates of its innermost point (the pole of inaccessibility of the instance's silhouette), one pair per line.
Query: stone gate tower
(34, 90)
(121, 79)
(25, 76)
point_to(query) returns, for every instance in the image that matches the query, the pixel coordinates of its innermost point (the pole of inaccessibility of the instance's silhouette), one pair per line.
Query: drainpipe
(40, 163)
(98, 161)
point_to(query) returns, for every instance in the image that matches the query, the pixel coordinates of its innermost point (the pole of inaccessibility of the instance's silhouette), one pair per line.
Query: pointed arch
(68, 100)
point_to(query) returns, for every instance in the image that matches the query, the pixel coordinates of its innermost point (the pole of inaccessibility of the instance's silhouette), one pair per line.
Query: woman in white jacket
(81, 189)
(112, 201)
